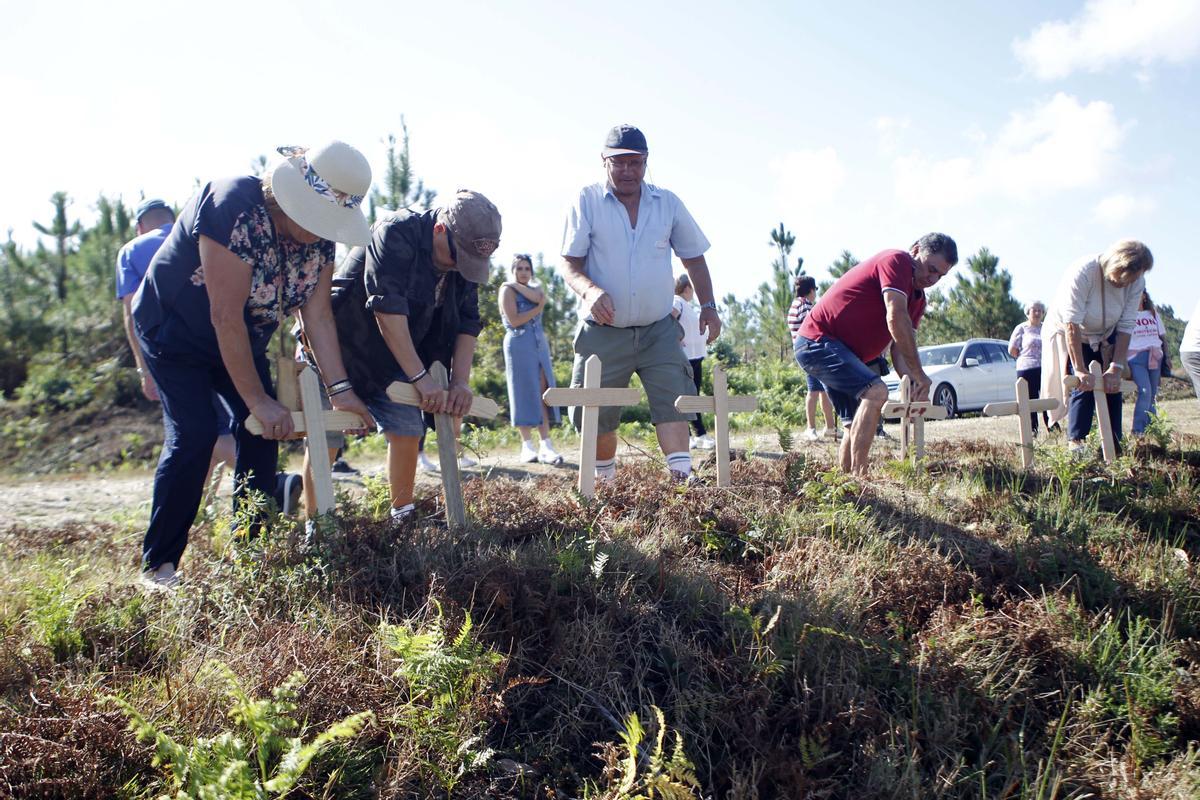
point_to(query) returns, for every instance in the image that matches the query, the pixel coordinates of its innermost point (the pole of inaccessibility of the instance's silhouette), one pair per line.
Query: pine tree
(839, 268)
(774, 297)
(63, 232)
(981, 303)
(400, 190)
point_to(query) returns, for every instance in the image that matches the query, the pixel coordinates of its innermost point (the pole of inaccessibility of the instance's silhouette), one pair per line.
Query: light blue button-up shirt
(632, 264)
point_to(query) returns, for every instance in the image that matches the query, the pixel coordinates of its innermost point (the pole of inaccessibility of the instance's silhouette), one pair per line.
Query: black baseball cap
(625, 140)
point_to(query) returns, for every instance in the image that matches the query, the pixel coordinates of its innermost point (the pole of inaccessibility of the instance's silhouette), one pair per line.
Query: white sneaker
(812, 435)
(548, 455)
(424, 464)
(832, 433)
(528, 454)
(161, 577)
(466, 461)
(402, 514)
(702, 443)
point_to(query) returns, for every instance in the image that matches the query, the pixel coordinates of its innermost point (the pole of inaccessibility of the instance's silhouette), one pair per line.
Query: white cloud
(1110, 32)
(1117, 208)
(890, 130)
(1058, 145)
(808, 179)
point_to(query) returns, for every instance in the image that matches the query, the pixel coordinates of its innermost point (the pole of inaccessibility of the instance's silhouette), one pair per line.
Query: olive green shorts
(652, 351)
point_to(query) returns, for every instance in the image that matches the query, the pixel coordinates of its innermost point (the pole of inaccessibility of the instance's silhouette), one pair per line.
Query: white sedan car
(966, 375)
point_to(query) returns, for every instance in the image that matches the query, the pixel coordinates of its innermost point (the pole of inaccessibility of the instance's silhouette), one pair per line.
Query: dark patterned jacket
(395, 274)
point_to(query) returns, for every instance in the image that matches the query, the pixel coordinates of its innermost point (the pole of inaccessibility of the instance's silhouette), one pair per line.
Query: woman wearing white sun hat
(244, 253)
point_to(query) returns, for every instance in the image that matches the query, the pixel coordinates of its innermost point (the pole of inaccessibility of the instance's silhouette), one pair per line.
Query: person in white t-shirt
(1189, 349)
(1145, 361)
(695, 347)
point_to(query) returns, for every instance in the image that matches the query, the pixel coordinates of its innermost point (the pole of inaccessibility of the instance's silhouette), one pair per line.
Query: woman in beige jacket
(1091, 319)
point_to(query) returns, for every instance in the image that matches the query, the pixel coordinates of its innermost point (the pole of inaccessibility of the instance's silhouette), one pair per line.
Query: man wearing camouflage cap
(407, 299)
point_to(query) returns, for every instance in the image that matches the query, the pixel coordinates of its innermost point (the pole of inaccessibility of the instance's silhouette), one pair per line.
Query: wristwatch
(709, 304)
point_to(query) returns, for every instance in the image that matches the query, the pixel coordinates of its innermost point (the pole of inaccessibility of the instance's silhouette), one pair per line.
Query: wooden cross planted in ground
(302, 394)
(447, 434)
(590, 397)
(1023, 408)
(720, 405)
(1108, 444)
(914, 413)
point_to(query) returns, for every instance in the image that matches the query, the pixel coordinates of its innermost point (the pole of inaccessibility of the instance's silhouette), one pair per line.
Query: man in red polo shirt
(875, 304)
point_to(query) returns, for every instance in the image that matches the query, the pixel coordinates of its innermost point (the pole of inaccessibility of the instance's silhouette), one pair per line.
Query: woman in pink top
(1145, 361)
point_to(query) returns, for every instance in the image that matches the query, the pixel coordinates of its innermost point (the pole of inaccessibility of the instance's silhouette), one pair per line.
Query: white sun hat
(322, 190)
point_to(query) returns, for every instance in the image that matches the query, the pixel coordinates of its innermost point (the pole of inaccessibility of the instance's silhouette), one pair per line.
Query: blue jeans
(1082, 407)
(186, 378)
(843, 374)
(1147, 383)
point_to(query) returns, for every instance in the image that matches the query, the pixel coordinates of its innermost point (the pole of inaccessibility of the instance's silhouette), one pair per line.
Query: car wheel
(944, 396)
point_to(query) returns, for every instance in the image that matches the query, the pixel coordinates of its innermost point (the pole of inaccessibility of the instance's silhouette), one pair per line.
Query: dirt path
(125, 496)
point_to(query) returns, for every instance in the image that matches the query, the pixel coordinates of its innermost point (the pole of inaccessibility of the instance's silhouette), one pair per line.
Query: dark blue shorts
(815, 385)
(844, 374)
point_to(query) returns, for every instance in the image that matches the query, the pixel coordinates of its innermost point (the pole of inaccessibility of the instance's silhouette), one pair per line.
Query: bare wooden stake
(912, 413)
(720, 405)
(1024, 408)
(589, 397)
(447, 434)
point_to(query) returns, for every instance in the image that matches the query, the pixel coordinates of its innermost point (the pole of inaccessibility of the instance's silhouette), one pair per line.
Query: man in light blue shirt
(616, 250)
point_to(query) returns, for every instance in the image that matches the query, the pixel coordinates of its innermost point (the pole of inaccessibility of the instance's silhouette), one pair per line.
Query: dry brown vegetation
(964, 631)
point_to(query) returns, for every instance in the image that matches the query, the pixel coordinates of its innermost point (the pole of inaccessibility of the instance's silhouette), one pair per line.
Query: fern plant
(444, 678)
(663, 777)
(256, 759)
(440, 671)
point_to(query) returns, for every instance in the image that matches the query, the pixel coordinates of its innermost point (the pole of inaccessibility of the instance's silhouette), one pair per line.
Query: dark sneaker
(288, 488)
(340, 467)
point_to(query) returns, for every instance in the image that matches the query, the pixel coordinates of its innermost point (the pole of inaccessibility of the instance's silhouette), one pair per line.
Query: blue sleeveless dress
(526, 355)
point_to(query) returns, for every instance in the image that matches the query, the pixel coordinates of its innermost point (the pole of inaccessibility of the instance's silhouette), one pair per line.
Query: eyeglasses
(624, 163)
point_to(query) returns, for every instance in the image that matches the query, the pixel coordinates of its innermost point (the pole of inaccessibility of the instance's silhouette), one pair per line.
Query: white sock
(606, 469)
(680, 462)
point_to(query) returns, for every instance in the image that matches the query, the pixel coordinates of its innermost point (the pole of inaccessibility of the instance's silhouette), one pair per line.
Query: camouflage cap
(474, 222)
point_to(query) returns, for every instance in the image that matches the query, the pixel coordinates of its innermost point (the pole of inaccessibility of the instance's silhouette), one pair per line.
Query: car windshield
(940, 356)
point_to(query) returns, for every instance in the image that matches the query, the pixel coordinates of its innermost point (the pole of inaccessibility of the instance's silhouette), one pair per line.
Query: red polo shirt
(853, 312)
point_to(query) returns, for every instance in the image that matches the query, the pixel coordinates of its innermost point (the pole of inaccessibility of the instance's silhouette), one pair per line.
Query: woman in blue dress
(527, 362)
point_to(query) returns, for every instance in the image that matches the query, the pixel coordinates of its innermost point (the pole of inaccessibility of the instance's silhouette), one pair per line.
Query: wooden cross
(720, 405)
(302, 393)
(590, 397)
(447, 434)
(914, 413)
(1023, 408)
(1108, 444)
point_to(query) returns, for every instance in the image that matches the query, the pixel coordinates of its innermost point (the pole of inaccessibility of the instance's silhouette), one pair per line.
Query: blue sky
(1043, 131)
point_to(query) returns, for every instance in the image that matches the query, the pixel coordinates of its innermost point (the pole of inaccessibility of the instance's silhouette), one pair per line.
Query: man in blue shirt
(154, 219)
(616, 253)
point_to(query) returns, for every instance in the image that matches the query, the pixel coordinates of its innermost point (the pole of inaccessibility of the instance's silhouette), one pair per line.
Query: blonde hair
(1125, 260)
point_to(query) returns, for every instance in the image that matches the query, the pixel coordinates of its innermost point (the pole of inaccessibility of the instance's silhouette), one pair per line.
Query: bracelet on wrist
(418, 376)
(141, 371)
(338, 387)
